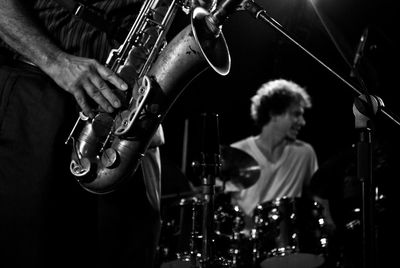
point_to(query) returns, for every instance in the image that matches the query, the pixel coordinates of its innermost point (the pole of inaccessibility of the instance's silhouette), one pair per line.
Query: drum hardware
(216, 236)
(228, 233)
(182, 237)
(207, 228)
(286, 231)
(221, 226)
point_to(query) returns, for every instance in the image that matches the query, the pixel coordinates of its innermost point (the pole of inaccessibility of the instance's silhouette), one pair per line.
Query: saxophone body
(108, 148)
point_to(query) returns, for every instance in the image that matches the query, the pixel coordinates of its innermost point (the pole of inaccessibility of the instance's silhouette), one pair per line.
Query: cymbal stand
(209, 166)
(208, 193)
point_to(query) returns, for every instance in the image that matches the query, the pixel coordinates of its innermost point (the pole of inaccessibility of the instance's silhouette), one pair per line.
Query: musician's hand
(86, 78)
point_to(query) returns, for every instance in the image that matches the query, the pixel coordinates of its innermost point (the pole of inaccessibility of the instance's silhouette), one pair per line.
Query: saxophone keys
(82, 117)
(81, 167)
(102, 124)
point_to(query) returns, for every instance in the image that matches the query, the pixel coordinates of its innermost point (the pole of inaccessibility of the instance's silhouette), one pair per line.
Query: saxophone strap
(93, 17)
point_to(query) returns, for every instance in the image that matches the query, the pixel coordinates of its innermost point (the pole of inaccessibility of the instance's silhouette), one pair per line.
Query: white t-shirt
(285, 177)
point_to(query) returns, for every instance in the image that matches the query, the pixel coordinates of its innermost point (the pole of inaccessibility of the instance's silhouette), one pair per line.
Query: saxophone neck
(147, 35)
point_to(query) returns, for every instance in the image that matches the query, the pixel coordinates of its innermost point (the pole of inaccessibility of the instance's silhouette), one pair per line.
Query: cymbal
(238, 167)
(181, 195)
(174, 182)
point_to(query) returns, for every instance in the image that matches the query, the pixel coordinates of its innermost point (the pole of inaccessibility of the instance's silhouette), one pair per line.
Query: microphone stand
(362, 113)
(364, 109)
(362, 104)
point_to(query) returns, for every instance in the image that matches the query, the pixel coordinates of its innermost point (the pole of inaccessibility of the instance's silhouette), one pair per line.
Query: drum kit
(284, 233)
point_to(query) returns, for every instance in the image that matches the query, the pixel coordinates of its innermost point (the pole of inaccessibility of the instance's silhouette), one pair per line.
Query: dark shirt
(80, 38)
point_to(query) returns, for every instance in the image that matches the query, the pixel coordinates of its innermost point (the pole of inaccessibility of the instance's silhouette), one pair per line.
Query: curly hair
(274, 98)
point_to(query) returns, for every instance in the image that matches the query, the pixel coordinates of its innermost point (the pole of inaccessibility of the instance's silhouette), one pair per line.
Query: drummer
(286, 163)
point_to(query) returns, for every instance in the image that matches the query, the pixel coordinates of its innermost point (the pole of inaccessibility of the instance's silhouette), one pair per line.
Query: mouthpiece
(220, 14)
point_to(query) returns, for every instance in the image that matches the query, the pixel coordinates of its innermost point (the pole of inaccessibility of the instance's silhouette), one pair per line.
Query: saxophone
(107, 148)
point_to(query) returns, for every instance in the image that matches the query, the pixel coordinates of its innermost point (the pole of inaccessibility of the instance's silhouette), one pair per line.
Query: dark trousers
(129, 227)
(46, 218)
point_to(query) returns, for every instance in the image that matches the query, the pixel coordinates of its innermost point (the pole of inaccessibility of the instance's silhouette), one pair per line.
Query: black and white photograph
(199, 133)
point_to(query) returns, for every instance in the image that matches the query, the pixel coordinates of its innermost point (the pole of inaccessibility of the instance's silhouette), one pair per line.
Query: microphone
(359, 51)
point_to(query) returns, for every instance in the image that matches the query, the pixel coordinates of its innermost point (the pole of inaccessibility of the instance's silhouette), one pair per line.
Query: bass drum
(290, 233)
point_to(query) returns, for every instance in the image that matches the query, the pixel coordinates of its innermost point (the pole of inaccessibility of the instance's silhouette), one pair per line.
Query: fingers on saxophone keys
(112, 78)
(99, 96)
(104, 96)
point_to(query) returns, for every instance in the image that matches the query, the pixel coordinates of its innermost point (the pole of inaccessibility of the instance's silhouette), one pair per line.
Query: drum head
(296, 260)
(176, 264)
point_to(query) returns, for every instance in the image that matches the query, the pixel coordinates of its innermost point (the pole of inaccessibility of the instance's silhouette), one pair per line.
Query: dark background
(331, 31)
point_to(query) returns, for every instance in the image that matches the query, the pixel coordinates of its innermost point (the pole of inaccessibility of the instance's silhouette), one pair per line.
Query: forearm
(21, 31)
(83, 78)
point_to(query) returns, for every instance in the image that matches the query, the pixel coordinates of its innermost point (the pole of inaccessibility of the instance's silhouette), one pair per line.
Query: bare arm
(79, 76)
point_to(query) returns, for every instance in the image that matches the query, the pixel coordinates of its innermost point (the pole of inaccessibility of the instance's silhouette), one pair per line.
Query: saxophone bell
(208, 26)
